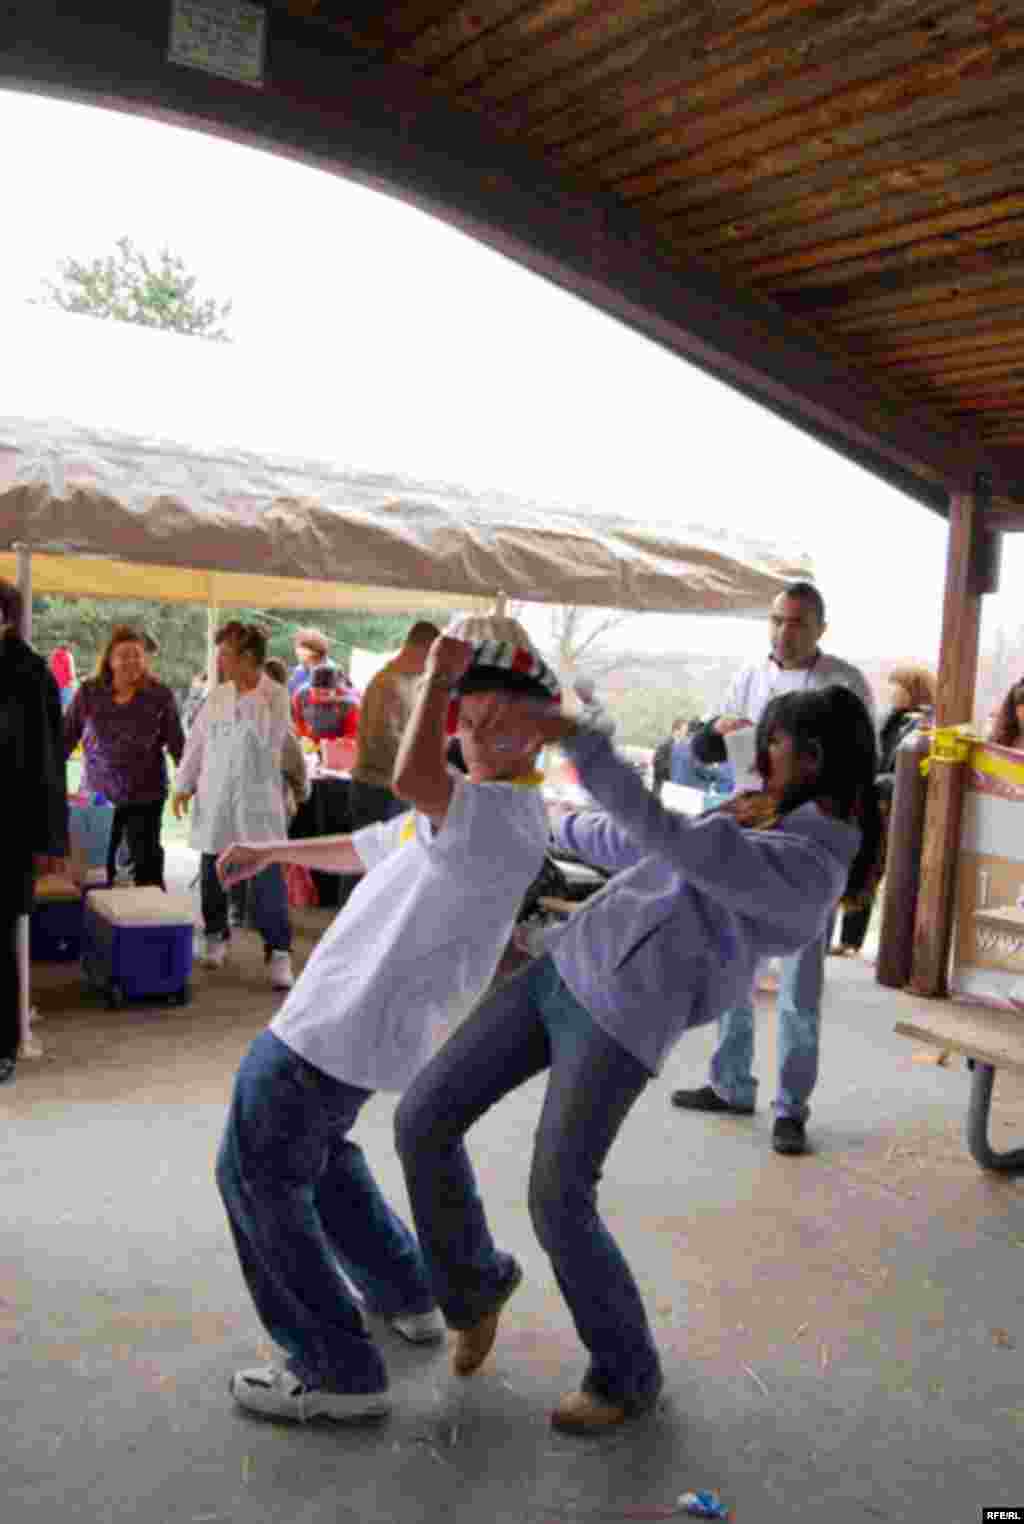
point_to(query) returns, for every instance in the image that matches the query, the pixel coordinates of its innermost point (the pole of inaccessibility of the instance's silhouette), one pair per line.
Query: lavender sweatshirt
(675, 937)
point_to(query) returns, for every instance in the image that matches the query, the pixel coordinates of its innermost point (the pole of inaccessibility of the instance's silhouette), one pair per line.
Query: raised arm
(597, 839)
(421, 775)
(773, 876)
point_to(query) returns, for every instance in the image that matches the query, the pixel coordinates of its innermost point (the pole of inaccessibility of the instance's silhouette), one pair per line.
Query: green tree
(130, 287)
(179, 629)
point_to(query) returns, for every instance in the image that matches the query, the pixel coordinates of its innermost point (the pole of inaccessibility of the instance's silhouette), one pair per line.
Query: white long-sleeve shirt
(752, 689)
(232, 764)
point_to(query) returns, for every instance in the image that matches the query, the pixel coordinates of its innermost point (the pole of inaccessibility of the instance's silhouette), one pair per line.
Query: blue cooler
(55, 925)
(137, 944)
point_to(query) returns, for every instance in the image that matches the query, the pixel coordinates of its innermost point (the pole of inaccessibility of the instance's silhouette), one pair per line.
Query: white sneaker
(214, 951)
(277, 1393)
(281, 975)
(420, 1327)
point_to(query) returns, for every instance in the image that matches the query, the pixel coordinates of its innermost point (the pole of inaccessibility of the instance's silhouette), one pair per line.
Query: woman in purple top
(126, 720)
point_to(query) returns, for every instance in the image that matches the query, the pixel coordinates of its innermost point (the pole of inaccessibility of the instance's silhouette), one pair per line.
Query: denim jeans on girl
(267, 901)
(528, 1024)
(301, 1201)
(801, 985)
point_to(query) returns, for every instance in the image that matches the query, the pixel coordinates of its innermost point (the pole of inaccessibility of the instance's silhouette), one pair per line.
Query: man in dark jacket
(662, 761)
(32, 781)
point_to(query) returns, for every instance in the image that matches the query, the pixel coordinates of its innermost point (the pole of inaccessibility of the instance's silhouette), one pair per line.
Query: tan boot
(583, 1413)
(473, 1345)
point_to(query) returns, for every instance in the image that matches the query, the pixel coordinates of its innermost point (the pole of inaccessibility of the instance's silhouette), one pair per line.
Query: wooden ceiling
(860, 165)
(836, 190)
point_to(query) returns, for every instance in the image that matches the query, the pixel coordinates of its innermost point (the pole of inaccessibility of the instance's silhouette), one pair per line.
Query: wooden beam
(971, 568)
(332, 104)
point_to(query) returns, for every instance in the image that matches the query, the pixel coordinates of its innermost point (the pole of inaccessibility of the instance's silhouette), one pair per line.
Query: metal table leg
(982, 1077)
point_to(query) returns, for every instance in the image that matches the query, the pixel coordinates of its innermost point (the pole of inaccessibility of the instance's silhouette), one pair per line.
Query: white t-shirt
(419, 938)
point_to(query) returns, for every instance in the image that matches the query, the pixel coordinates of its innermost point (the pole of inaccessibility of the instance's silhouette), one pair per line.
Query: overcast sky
(368, 334)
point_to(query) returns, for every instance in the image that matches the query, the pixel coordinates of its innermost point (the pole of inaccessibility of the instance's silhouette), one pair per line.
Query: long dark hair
(832, 725)
(1006, 731)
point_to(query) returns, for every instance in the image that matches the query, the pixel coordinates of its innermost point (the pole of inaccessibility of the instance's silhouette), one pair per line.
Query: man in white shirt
(416, 943)
(795, 664)
(232, 765)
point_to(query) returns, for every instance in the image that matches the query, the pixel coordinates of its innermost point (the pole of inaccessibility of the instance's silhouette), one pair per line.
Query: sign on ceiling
(224, 37)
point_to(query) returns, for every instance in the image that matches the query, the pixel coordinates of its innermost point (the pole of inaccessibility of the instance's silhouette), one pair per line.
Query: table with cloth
(326, 813)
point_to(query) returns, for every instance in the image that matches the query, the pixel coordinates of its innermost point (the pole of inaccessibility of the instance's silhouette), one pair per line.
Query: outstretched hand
(239, 862)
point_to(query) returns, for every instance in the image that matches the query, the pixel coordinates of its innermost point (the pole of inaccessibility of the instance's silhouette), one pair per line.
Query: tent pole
(211, 646)
(23, 555)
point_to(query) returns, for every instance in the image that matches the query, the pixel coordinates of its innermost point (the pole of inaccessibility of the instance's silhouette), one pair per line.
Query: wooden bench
(989, 1040)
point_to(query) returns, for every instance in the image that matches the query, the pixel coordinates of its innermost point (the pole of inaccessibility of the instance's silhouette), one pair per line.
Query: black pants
(369, 803)
(10, 1031)
(139, 826)
(854, 926)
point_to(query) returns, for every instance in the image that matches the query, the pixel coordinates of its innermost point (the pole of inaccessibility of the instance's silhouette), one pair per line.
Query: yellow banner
(951, 743)
(960, 743)
(997, 766)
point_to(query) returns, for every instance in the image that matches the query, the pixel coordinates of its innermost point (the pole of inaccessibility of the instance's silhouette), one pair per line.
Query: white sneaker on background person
(281, 974)
(213, 951)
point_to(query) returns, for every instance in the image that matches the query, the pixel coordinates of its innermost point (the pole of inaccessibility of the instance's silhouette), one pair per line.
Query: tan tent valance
(145, 518)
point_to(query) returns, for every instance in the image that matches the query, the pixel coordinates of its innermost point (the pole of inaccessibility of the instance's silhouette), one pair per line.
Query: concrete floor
(842, 1333)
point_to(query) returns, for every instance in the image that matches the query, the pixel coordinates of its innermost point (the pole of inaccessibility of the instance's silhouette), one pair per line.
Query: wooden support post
(971, 569)
(23, 555)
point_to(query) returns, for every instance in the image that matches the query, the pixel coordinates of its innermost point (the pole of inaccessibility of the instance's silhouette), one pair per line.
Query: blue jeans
(530, 1023)
(801, 986)
(301, 1202)
(267, 904)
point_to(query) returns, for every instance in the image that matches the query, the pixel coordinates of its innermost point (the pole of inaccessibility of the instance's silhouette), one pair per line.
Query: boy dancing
(421, 934)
